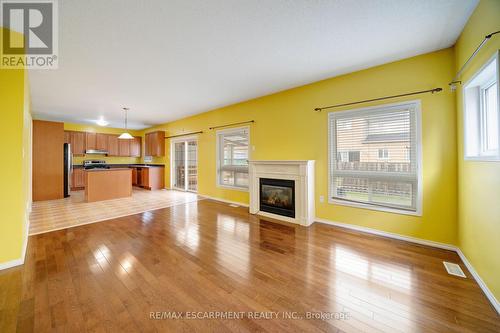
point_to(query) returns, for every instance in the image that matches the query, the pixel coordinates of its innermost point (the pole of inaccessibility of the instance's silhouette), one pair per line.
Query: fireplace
(277, 196)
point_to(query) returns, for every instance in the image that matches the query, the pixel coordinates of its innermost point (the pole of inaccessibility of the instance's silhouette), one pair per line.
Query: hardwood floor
(207, 256)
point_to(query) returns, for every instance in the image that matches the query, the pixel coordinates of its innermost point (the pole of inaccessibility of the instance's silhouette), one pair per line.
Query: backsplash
(78, 160)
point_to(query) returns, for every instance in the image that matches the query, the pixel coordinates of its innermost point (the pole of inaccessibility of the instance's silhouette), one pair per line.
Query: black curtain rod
(240, 123)
(455, 80)
(175, 136)
(432, 91)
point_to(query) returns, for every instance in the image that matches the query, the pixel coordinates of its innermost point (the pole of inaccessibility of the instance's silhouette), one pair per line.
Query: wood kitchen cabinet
(48, 163)
(134, 177)
(124, 147)
(113, 143)
(101, 141)
(152, 178)
(67, 137)
(90, 141)
(135, 147)
(155, 144)
(82, 141)
(78, 179)
(77, 141)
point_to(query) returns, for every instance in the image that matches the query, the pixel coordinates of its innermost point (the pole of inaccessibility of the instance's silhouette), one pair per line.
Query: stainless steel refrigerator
(68, 168)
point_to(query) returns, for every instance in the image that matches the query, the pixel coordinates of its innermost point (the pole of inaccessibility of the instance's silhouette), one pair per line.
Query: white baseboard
(20, 261)
(12, 263)
(420, 241)
(224, 200)
(493, 300)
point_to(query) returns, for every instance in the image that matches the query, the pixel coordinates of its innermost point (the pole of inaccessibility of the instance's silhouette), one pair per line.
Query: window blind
(233, 158)
(374, 156)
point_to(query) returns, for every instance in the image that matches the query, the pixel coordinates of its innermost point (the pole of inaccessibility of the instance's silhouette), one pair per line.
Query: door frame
(184, 139)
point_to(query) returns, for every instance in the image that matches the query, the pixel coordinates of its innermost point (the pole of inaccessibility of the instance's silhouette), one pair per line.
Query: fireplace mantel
(300, 171)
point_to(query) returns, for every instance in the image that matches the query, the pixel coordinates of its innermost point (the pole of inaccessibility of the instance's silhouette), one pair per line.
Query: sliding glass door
(184, 165)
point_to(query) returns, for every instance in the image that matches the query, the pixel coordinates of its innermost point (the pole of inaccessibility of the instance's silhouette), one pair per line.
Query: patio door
(184, 164)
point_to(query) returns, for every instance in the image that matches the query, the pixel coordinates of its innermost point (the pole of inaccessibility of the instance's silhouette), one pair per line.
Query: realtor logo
(29, 34)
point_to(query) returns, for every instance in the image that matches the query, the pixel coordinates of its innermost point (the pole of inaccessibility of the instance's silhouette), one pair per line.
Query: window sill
(482, 158)
(372, 207)
(236, 188)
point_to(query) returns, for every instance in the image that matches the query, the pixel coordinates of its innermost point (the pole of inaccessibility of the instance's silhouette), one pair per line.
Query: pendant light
(125, 135)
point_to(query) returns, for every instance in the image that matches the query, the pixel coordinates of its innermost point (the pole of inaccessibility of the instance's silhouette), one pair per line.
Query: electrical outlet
(253, 148)
(321, 198)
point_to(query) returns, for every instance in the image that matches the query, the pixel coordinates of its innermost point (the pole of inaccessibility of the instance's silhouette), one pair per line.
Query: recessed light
(102, 122)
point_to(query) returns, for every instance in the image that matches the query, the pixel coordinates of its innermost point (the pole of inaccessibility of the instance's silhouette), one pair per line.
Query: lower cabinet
(149, 178)
(78, 179)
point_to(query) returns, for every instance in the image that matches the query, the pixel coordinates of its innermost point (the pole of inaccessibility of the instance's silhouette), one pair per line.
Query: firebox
(277, 196)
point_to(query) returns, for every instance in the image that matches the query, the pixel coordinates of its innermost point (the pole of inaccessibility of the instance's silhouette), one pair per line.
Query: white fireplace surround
(302, 172)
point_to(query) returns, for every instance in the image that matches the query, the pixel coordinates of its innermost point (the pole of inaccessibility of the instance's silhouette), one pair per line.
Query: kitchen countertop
(104, 170)
(114, 166)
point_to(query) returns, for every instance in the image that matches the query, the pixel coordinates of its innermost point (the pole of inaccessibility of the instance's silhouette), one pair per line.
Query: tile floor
(69, 212)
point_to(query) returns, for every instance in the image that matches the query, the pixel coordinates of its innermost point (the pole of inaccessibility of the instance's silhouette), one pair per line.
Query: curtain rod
(453, 83)
(175, 136)
(432, 91)
(240, 123)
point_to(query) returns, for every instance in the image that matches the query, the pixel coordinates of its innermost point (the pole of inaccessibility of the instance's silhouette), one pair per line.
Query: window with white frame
(232, 158)
(376, 178)
(383, 153)
(481, 113)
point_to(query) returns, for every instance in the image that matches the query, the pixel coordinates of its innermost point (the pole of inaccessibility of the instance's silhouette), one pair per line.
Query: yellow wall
(287, 128)
(15, 143)
(100, 129)
(479, 182)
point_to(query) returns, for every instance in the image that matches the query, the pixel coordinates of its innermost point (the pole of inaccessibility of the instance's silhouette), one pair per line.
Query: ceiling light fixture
(102, 122)
(125, 135)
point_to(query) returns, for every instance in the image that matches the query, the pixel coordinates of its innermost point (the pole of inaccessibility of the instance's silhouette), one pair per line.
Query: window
(383, 153)
(384, 174)
(481, 113)
(232, 158)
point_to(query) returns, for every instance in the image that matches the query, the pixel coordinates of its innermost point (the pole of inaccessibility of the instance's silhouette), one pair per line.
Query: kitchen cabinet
(48, 163)
(101, 141)
(90, 141)
(77, 141)
(67, 137)
(124, 147)
(82, 141)
(113, 149)
(134, 177)
(135, 147)
(152, 178)
(155, 144)
(78, 179)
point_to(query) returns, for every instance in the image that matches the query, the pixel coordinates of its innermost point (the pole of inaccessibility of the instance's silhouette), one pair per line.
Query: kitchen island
(106, 184)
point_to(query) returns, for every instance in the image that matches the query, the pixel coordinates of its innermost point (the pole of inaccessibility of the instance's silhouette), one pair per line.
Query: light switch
(321, 198)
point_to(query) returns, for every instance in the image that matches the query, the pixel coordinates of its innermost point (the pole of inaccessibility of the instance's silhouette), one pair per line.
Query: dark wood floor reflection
(207, 256)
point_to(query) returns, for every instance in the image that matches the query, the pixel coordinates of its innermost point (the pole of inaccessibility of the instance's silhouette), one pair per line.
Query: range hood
(96, 152)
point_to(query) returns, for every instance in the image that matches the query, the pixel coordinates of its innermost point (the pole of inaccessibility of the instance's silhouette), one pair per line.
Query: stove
(95, 164)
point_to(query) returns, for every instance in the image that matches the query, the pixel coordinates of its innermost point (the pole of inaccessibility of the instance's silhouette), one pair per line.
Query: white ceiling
(170, 59)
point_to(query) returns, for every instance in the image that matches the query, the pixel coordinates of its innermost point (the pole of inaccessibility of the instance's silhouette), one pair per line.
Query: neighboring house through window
(232, 158)
(375, 161)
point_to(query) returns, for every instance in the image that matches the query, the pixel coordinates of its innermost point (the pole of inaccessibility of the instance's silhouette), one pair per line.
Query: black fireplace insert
(277, 196)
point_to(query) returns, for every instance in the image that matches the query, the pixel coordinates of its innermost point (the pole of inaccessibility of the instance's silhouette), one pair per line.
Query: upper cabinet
(67, 137)
(124, 147)
(77, 141)
(91, 141)
(155, 144)
(82, 141)
(135, 147)
(113, 145)
(101, 141)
